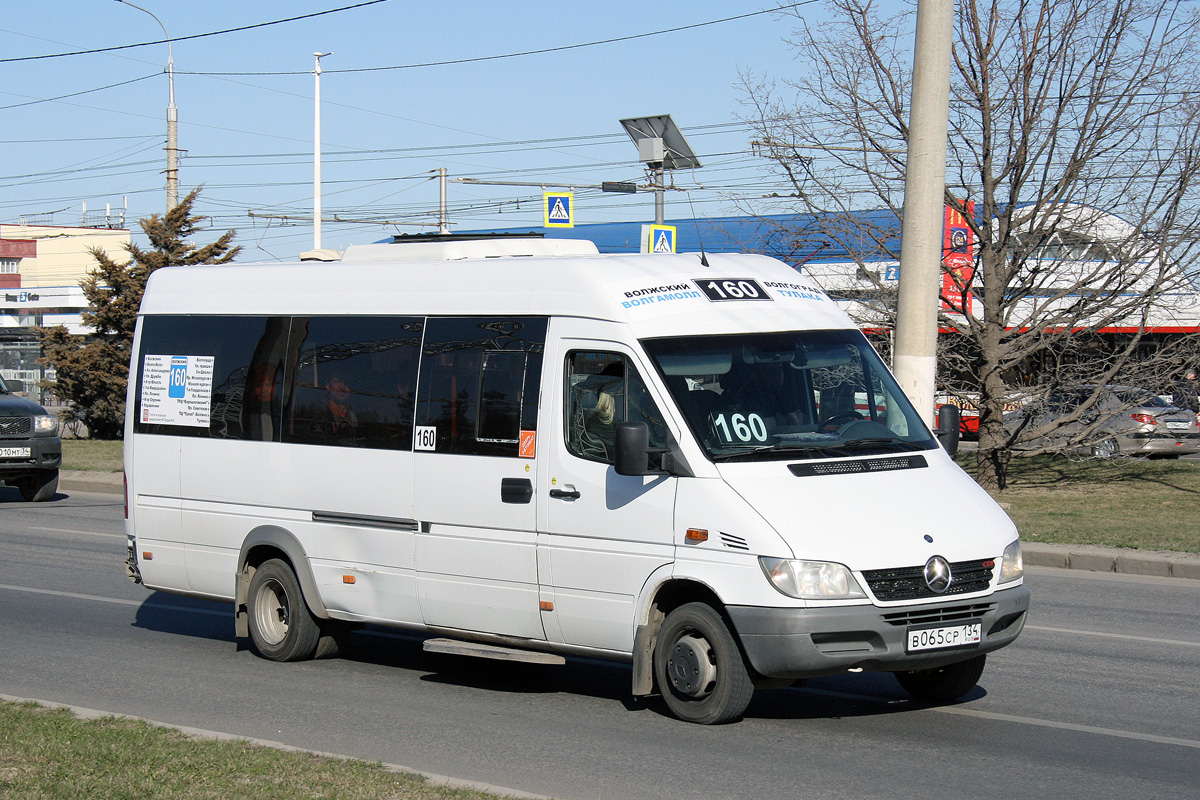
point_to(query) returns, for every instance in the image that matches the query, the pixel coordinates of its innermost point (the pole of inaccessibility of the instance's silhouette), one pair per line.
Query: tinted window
(237, 396)
(479, 379)
(354, 381)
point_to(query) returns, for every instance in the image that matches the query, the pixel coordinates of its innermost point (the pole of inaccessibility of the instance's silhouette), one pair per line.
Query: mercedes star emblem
(937, 574)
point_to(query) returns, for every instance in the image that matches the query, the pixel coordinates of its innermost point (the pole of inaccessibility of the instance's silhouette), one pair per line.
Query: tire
(699, 667)
(942, 684)
(1106, 448)
(281, 626)
(40, 487)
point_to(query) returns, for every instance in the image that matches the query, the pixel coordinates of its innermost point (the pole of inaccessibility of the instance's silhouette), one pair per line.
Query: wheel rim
(690, 666)
(271, 611)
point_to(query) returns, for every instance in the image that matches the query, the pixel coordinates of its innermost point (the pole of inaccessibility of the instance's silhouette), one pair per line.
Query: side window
(354, 381)
(604, 389)
(479, 384)
(211, 376)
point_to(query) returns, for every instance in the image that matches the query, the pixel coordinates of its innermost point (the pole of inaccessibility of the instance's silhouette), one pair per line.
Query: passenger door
(475, 470)
(605, 533)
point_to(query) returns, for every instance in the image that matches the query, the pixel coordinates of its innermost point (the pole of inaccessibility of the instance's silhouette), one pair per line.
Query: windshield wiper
(863, 444)
(841, 450)
(812, 449)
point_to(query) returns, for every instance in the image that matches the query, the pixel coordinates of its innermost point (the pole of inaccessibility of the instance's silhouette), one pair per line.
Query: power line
(540, 51)
(77, 94)
(193, 36)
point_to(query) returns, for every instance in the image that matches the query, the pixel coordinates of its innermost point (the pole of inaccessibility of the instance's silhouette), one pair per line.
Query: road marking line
(992, 715)
(80, 533)
(1067, 726)
(114, 600)
(1112, 635)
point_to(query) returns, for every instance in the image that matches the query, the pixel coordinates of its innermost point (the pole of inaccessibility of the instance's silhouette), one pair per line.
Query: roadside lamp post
(172, 116)
(317, 151)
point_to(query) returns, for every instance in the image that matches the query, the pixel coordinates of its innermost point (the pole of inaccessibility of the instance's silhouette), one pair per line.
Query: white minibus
(519, 448)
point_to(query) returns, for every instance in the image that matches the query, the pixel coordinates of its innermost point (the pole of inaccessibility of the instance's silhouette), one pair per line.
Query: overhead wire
(177, 39)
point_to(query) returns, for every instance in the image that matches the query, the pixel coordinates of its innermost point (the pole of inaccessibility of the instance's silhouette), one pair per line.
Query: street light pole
(172, 116)
(317, 152)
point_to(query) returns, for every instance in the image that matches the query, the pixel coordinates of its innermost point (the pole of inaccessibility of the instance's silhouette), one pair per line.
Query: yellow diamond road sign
(558, 209)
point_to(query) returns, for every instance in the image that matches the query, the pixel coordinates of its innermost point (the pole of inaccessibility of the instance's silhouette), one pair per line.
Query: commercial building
(41, 267)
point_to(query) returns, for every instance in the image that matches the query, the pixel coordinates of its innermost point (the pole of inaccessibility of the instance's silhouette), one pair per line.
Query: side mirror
(15, 386)
(633, 448)
(949, 418)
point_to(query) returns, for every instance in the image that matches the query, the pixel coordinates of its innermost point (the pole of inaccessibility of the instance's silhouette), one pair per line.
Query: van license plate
(14, 452)
(941, 637)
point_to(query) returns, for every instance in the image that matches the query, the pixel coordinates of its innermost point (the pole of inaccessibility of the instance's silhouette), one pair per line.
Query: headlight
(811, 580)
(1011, 565)
(44, 423)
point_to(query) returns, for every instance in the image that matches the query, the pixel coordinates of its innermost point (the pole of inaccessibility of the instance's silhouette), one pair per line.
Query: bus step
(455, 647)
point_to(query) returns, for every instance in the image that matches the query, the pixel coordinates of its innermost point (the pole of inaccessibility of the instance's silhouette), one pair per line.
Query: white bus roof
(657, 295)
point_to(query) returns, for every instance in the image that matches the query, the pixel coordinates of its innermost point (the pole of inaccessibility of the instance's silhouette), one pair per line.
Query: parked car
(30, 450)
(969, 412)
(1125, 420)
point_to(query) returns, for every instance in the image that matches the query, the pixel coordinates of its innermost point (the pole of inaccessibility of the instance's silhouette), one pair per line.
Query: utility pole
(915, 356)
(317, 152)
(172, 116)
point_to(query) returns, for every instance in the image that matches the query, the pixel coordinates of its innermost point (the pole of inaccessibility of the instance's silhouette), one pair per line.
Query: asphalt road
(1099, 698)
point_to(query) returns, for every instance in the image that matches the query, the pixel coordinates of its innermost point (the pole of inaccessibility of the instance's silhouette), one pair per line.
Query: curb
(1157, 563)
(90, 481)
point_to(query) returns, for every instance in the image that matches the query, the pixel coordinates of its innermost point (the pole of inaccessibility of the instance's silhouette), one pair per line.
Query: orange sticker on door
(527, 444)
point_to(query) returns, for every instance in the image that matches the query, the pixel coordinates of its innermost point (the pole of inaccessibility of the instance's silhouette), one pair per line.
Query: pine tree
(92, 369)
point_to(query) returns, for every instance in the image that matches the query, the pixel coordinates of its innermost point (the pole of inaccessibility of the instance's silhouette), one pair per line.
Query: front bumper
(45, 452)
(811, 642)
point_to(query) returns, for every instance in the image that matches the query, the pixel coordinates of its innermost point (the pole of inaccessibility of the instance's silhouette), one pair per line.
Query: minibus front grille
(931, 616)
(908, 583)
(16, 426)
(857, 467)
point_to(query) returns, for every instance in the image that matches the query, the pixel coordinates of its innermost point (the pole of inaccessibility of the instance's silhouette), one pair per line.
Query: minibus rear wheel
(942, 684)
(699, 667)
(281, 626)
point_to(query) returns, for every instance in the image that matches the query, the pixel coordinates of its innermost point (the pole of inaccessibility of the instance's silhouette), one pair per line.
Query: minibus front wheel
(281, 626)
(699, 667)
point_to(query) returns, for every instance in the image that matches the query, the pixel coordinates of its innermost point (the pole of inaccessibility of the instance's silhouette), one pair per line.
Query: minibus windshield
(795, 394)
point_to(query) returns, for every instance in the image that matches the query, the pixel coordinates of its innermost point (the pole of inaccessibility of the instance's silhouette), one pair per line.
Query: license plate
(14, 452)
(1177, 426)
(941, 637)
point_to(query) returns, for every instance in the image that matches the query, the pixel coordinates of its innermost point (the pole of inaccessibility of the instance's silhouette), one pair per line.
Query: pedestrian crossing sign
(558, 209)
(658, 239)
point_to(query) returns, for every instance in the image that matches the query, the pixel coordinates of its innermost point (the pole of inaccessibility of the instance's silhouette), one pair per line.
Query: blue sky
(248, 138)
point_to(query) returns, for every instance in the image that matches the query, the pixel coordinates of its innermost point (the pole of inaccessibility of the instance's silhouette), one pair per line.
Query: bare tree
(1074, 154)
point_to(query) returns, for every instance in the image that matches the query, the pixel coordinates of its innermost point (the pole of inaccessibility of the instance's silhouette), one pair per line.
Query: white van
(528, 450)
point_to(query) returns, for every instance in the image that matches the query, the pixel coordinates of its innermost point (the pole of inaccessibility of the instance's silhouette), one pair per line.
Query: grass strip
(1123, 502)
(92, 455)
(52, 754)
